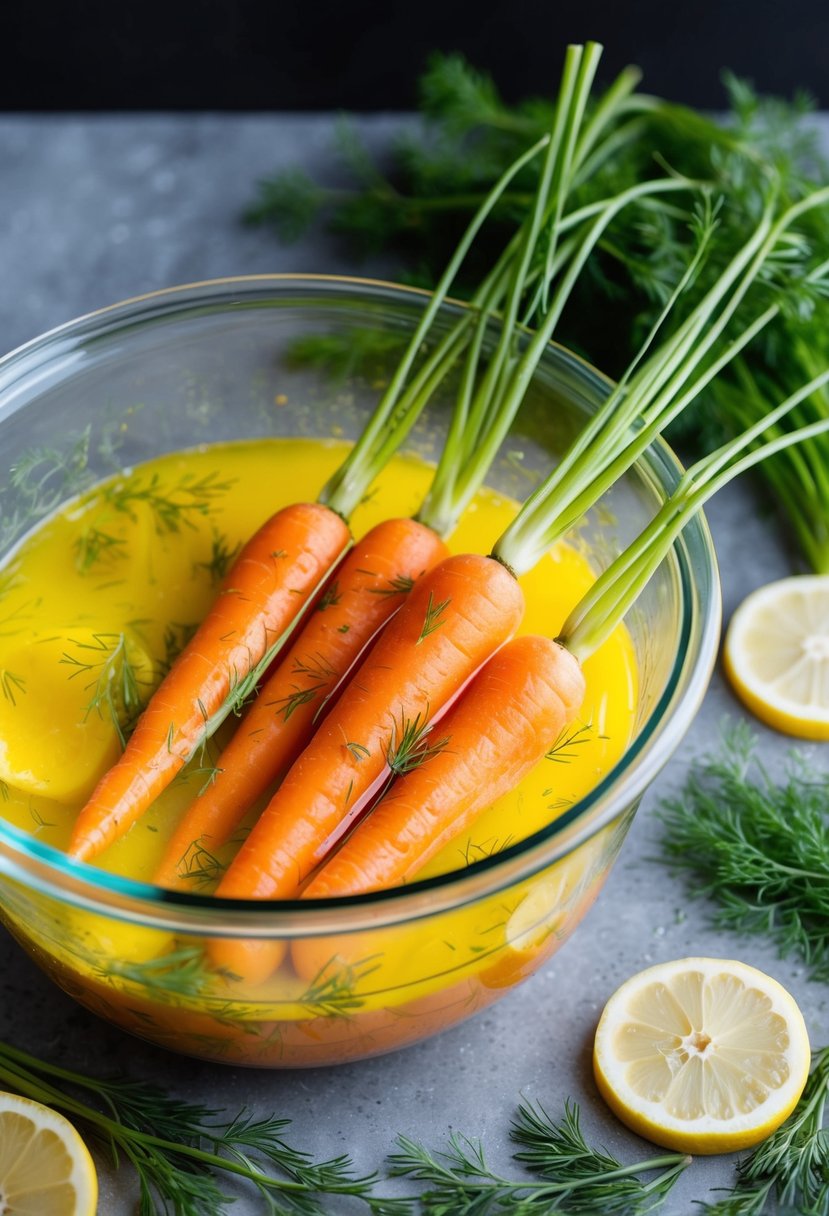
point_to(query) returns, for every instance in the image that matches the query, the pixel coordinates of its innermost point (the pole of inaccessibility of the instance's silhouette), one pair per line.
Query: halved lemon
(45, 1167)
(701, 1055)
(777, 655)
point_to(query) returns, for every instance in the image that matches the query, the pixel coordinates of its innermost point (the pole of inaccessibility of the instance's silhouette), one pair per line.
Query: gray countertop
(96, 209)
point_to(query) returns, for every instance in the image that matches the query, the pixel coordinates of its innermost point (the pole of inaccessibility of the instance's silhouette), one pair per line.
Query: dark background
(366, 55)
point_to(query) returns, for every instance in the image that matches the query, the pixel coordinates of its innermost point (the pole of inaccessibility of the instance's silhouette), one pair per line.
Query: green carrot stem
(346, 488)
(599, 612)
(580, 500)
(605, 449)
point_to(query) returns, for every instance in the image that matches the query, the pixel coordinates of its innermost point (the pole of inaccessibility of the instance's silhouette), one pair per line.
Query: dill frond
(756, 847)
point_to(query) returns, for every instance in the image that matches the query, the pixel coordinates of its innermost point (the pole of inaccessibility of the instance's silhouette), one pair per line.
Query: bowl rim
(37, 865)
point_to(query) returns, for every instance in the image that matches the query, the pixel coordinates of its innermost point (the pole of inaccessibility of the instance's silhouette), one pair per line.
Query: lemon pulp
(45, 1167)
(777, 655)
(702, 1055)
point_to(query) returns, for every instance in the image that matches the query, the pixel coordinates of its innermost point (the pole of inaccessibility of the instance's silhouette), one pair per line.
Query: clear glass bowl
(204, 363)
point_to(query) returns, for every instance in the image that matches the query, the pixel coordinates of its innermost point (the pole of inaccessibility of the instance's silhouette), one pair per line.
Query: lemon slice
(702, 1055)
(777, 655)
(45, 1167)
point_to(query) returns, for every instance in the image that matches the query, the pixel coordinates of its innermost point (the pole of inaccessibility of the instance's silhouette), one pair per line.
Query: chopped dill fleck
(409, 744)
(358, 751)
(11, 685)
(222, 557)
(95, 547)
(329, 597)
(173, 507)
(291, 702)
(401, 584)
(561, 751)
(114, 680)
(433, 620)
(199, 865)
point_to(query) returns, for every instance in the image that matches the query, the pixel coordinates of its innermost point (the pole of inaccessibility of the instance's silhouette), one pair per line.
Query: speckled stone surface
(93, 210)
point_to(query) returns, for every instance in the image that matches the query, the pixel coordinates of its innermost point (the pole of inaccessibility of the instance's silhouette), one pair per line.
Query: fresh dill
(332, 991)
(358, 751)
(11, 685)
(293, 701)
(756, 847)
(199, 866)
(173, 507)
(181, 1152)
(94, 547)
(222, 557)
(570, 1175)
(401, 584)
(433, 618)
(791, 1167)
(410, 745)
(329, 597)
(315, 668)
(115, 684)
(570, 737)
(176, 636)
(41, 478)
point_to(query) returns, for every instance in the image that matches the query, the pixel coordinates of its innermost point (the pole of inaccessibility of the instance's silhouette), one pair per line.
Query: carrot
(455, 618)
(506, 719)
(203, 698)
(279, 856)
(485, 405)
(367, 588)
(499, 729)
(264, 592)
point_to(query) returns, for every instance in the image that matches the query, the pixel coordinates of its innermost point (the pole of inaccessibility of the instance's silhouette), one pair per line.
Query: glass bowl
(221, 361)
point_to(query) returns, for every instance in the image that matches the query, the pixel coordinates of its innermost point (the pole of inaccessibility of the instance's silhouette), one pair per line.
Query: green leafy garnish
(434, 616)
(173, 506)
(222, 556)
(11, 685)
(114, 683)
(181, 1151)
(469, 135)
(791, 1168)
(572, 1176)
(410, 744)
(759, 849)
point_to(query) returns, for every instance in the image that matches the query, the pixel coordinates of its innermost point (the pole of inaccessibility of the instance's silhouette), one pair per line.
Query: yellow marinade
(99, 599)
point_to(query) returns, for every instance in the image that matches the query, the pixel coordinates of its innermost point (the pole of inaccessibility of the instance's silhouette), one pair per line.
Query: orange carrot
(265, 591)
(367, 588)
(454, 620)
(499, 729)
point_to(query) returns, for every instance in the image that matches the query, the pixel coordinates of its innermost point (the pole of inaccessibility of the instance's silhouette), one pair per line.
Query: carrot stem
(599, 612)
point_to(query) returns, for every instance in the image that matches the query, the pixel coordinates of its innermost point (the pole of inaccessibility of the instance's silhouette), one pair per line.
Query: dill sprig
(791, 1167)
(180, 1151)
(410, 744)
(93, 547)
(11, 685)
(759, 848)
(174, 506)
(440, 171)
(571, 1175)
(115, 685)
(433, 618)
(222, 556)
(570, 737)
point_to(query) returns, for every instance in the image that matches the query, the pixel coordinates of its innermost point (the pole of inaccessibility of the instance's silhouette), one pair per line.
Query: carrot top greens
(443, 167)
